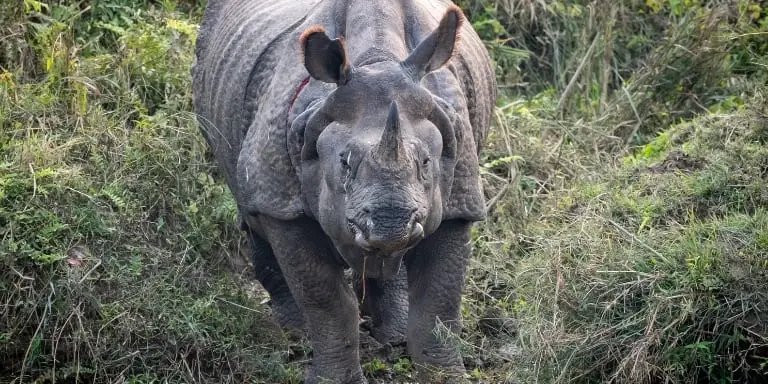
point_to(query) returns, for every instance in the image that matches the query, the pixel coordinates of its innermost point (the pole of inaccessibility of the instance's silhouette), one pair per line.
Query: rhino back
(248, 65)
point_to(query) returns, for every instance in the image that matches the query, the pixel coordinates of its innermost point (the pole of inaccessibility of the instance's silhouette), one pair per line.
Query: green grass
(116, 238)
(657, 272)
(626, 240)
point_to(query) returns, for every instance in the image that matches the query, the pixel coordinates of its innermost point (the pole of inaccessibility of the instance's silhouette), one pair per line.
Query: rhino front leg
(386, 301)
(436, 271)
(317, 283)
(268, 273)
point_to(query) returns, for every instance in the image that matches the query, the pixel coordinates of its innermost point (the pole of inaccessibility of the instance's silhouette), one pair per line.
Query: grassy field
(626, 177)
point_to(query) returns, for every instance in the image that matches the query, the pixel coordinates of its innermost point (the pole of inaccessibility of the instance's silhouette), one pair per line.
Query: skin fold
(349, 133)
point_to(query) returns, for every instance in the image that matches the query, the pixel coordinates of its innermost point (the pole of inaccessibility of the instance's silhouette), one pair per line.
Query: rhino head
(377, 153)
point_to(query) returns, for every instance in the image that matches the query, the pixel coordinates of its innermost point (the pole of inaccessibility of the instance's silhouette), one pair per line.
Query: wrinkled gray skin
(372, 165)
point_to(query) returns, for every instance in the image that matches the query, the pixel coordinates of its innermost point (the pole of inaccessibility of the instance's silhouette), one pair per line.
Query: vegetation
(626, 177)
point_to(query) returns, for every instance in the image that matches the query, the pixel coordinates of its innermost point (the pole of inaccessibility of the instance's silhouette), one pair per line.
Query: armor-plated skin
(372, 164)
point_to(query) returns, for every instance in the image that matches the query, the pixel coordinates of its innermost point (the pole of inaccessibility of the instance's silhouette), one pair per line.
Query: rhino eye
(424, 170)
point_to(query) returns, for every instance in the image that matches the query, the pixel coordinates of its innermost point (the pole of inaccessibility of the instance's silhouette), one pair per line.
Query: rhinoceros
(349, 133)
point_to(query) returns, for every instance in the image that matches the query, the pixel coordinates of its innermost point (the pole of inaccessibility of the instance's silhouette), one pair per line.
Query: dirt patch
(678, 161)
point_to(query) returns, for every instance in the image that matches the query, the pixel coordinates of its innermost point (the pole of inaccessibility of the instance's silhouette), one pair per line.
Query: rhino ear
(325, 59)
(444, 118)
(438, 47)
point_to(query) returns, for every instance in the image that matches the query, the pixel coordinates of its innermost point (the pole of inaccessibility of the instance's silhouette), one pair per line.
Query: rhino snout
(387, 232)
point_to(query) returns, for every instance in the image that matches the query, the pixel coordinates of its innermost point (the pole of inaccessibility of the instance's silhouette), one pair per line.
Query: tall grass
(115, 236)
(628, 245)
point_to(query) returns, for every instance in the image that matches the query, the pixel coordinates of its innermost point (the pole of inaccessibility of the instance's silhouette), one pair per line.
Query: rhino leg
(316, 281)
(268, 273)
(436, 272)
(387, 304)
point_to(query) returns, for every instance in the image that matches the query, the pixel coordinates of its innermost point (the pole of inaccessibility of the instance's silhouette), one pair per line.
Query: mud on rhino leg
(268, 273)
(316, 281)
(436, 272)
(386, 301)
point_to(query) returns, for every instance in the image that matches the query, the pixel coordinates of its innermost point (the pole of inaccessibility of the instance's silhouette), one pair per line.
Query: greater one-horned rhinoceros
(349, 133)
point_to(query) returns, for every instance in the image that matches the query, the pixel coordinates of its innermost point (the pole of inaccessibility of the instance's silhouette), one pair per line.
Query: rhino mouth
(395, 247)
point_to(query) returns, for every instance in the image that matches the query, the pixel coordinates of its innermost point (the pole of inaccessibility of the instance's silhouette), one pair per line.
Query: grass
(656, 273)
(116, 238)
(626, 184)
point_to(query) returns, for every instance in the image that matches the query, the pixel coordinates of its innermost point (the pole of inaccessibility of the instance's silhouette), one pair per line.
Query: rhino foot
(388, 335)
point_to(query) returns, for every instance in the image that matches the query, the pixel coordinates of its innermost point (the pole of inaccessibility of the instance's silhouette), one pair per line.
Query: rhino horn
(391, 148)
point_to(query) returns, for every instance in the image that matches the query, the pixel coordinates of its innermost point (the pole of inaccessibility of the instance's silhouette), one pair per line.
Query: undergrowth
(657, 273)
(625, 175)
(115, 235)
